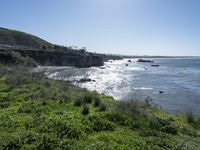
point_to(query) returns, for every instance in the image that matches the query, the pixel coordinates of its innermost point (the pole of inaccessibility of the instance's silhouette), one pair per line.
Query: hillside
(17, 47)
(21, 39)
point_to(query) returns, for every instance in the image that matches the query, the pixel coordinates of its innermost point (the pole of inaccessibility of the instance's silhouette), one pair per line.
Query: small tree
(97, 101)
(102, 107)
(78, 102)
(85, 110)
(88, 98)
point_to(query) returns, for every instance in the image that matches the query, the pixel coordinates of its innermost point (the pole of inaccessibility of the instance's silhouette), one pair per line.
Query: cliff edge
(17, 47)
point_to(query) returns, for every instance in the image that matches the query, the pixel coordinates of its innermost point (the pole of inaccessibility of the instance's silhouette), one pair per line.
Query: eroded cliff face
(6, 58)
(54, 58)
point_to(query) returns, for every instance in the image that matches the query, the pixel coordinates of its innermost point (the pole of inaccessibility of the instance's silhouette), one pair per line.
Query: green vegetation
(17, 38)
(17, 59)
(88, 99)
(102, 107)
(38, 113)
(97, 101)
(85, 110)
(78, 102)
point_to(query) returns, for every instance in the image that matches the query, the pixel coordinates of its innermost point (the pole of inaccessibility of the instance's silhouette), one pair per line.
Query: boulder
(154, 65)
(83, 80)
(145, 61)
(161, 92)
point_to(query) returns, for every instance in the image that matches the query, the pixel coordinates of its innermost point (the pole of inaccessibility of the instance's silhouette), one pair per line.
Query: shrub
(32, 122)
(63, 126)
(190, 116)
(28, 108)
(65, 97)
(192, 119)
(3, 69)
(44, 47)
(47, 83)
(78, 102)
(100, 124)
(88, 98)
(42, 93)
(33, 108)
(44, 103)
(163, 125)
(189, 131)
(170, 129)
(85, 110)
(18, 76)
(157, 123)
(134, 107)
(102, 107)
(47, 142)
(6, 99)
(97, 101)
(8, 121)
(4, 103)
(120, 118)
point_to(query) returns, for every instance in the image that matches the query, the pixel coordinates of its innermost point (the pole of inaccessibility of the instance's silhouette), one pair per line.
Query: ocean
(177, 78)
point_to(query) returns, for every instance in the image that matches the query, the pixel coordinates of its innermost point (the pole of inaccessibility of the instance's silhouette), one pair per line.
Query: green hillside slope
(17, 38)
(39, 113)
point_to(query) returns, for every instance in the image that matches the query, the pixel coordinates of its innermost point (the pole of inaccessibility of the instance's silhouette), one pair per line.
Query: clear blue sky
(135, 27)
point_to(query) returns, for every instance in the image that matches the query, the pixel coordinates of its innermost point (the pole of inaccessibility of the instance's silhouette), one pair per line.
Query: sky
(130, 27)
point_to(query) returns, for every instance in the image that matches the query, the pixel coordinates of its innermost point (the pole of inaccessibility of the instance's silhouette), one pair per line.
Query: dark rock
(83, 80)
(145, 61)
(102, 67)
(129, 61)
(126, 64)
(161, 92)
(154, 65)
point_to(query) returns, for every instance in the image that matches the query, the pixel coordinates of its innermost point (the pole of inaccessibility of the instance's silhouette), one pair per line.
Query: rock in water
(145, 61)
(83, 80)
(154, 65)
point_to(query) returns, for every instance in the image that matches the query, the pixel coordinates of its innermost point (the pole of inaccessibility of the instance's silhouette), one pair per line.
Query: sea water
(177, 78)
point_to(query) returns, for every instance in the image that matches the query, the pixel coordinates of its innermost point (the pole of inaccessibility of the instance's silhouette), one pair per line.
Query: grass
(192, 119)
(38, 113)
(13, 37)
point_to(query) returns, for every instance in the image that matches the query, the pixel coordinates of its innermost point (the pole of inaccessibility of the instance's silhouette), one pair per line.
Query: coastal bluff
(50, 58)
(18, 47)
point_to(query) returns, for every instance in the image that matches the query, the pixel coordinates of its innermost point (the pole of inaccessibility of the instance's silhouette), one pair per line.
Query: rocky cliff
(18, 47)
(51, 58)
